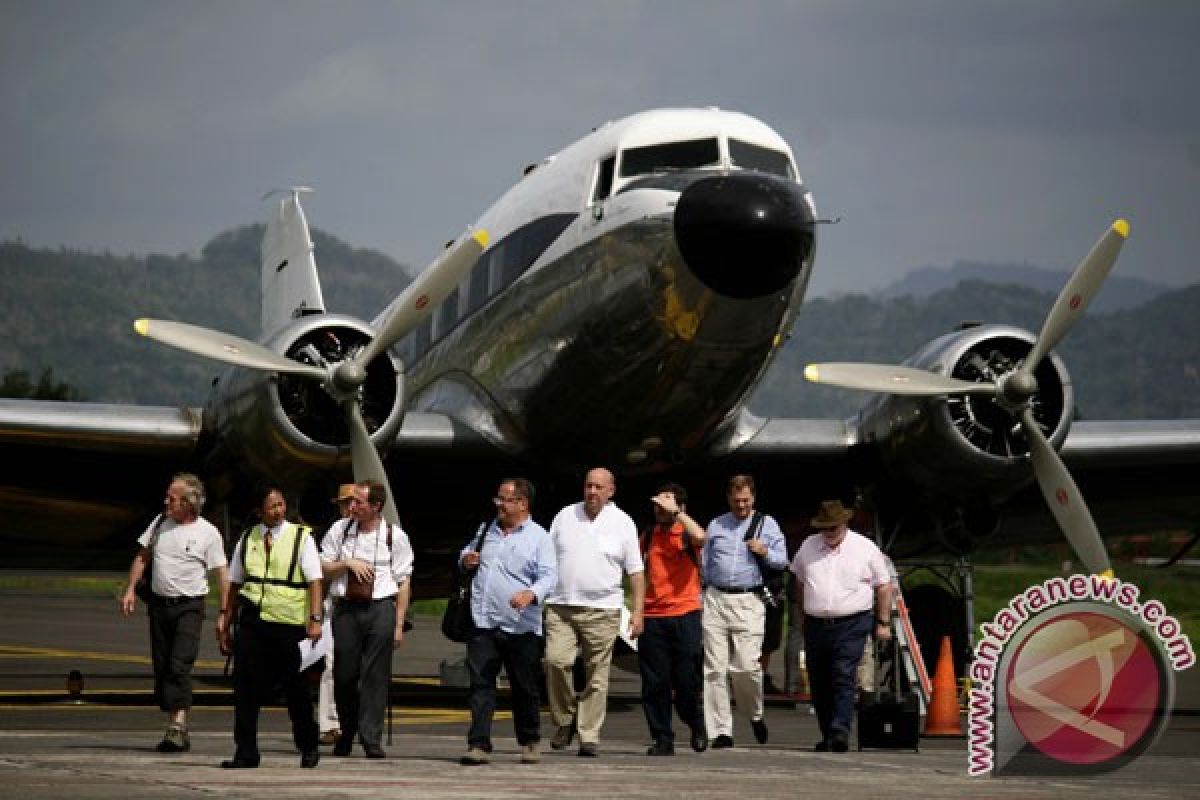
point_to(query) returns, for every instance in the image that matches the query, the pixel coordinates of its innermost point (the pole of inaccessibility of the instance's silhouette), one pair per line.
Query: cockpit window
(763, 159)
(670, 156)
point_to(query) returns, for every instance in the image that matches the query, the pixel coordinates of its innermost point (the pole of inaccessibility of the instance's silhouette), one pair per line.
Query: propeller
(1014, 391)
(344, 379)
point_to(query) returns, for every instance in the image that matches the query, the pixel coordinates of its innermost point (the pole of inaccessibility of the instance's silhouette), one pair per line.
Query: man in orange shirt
(671, 646)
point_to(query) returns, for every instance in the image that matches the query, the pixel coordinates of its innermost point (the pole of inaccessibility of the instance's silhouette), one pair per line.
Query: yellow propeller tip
(482, 237)
(1121, 226)
(141, 326)
(812, 373)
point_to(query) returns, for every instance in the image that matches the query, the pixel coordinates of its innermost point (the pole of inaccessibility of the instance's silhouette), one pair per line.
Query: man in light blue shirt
(514, 566)
(737, 547)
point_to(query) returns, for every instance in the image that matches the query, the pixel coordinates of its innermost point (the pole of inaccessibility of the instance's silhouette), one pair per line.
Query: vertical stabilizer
(290, 286)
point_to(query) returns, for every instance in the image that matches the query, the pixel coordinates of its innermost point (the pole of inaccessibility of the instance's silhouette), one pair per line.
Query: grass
(1178, 589)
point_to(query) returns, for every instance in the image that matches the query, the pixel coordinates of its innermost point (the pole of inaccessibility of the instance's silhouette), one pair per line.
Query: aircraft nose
(744, 235)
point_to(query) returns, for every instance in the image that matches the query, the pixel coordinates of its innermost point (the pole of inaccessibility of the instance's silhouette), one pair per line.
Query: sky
(937, 131)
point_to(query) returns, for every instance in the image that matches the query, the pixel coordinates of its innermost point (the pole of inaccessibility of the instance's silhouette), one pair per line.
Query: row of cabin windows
(691, 154)
(496, 269)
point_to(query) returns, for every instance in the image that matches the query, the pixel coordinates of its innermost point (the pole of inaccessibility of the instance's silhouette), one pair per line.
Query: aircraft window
(448, 315)
(424, 335)
(604, 179)
(763, 159)
(477, 287)
(669, 156)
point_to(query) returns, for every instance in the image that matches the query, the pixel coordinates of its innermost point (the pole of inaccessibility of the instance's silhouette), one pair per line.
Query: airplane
(617, 306)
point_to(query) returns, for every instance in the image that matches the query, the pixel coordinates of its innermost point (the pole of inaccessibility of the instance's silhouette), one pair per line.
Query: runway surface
(102, 746)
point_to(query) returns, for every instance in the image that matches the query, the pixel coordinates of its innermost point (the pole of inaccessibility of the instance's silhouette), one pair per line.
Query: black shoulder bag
(144, 588)
(457, 624)
(774, 580)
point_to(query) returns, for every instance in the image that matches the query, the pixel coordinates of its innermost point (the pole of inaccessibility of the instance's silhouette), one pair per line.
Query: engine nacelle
(289, 427)
(969, 446)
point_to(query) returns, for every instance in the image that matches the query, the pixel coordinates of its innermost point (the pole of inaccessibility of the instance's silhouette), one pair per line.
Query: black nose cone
(744, 235)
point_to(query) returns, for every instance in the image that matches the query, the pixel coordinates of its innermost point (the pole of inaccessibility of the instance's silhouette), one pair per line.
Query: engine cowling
(969, 446)
(289, 427)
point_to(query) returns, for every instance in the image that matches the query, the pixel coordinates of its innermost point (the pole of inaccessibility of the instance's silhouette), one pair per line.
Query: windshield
(670, 156)
(763, 159)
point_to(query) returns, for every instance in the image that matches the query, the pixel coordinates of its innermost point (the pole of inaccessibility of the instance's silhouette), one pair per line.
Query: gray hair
(193, 491)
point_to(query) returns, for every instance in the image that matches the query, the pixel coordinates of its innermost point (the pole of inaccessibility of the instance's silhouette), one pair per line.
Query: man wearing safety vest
(275, 574)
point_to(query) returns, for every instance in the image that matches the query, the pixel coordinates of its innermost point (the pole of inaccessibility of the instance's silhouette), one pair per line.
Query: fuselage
(637, 286)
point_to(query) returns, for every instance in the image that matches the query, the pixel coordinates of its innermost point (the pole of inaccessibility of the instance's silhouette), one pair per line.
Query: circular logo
(1087, 687)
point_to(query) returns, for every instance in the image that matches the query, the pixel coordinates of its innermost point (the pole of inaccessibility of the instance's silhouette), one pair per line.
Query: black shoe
(563, 736)
(310, 758)
(821, 746)
(344, 745)
(175, 740)
(661, 749)
(699, 740)
(839, 742)
(760, 730)
(722, 742)
(769, 686)
(588, 750)
(237, 762)
(374, 751)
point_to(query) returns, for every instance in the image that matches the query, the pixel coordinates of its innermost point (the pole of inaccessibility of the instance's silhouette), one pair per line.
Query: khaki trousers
(733, 635)
(593, 632)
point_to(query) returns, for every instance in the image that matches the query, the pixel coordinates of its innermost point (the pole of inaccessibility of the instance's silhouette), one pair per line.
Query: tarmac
(100, 743)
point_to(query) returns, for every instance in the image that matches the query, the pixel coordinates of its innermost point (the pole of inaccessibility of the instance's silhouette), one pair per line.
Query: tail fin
(290, 285)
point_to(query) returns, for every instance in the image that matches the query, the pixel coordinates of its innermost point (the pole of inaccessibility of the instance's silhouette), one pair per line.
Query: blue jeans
(833, 652)
(521, 656)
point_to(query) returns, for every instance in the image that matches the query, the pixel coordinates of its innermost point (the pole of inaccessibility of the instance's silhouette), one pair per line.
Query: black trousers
(670, 654)
(832, 653)
(521, 656)
(268, 657)
(174, 643)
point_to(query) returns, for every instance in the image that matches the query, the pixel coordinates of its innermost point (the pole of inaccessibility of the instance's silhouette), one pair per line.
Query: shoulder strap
(481, 535)
(301, 532)
(158, 523)
(755, 528)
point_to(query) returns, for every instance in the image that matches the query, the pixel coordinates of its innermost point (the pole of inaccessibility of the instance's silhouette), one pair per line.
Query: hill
(73, 311)
(1119, 292)
(1140, 363)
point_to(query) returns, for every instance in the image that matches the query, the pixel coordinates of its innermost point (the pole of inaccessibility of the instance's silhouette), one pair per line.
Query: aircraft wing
(1136, 475)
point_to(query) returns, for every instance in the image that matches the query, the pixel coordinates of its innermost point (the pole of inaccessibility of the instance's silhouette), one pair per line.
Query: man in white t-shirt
(845, 588)
(184, 547)
(596, 543)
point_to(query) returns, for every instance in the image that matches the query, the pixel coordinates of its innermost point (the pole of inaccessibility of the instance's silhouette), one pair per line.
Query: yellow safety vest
(276, 587)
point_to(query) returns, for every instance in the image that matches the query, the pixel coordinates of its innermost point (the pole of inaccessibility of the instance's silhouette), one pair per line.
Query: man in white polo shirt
(595, 542)
(841, 577)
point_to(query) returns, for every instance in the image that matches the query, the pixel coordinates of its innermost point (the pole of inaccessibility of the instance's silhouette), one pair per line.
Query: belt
(736, 589)
(834, 620)
(341, 601)
(177, 601)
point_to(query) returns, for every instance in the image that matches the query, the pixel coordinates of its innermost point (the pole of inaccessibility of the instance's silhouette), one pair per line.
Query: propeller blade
(223, 347)
(892, 380)
(425, 293)
(1082, 286)
(365, 458)
(1065, 501)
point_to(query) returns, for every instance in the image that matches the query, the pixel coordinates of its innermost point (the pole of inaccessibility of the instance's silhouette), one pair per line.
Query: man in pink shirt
(841, 578)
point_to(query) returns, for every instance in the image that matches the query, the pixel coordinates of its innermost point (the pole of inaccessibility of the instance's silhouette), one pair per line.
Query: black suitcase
(889, 718)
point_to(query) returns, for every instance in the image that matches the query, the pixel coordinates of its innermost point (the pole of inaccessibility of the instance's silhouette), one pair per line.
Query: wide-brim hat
(831, 515)
(345, 492)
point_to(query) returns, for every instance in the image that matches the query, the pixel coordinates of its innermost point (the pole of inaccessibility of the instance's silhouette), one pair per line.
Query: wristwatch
(317, 618)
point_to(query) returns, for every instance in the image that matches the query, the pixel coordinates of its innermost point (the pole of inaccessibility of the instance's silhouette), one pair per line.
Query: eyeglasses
(498, 500)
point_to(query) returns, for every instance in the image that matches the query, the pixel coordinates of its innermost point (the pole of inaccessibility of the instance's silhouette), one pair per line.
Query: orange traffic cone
(943, 705)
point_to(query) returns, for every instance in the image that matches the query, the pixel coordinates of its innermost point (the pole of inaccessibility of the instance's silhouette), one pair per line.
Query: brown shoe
(531, 753)
(331, 736)
(175, 740)
(474, 757)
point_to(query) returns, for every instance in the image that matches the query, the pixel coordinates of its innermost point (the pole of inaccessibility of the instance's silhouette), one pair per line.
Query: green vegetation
(1141, 362)
(1177, 588)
